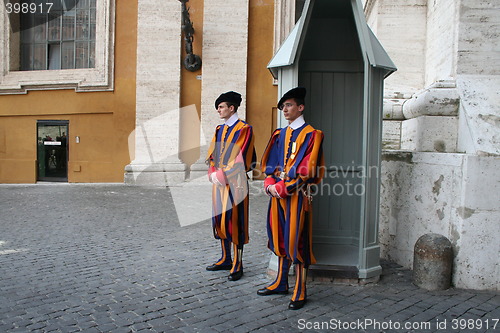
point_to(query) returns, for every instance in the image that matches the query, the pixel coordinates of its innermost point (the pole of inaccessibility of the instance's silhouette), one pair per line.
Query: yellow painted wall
(261, 93)
(102, 120)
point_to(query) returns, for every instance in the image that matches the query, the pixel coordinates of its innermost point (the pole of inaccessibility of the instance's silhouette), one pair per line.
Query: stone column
(432, 122)
(154, 145)
(284, 21)
(225, 42)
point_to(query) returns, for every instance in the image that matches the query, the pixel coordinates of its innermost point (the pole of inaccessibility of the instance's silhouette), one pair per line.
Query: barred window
(63, 40)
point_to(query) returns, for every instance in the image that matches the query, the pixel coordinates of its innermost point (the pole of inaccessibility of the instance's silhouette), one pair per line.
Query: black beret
(230, 96)
(298, 92)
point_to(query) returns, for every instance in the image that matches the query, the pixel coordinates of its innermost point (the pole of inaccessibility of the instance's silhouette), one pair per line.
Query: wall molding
(100, 78)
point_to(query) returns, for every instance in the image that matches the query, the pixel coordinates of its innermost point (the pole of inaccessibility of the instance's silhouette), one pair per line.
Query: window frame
(99, 78)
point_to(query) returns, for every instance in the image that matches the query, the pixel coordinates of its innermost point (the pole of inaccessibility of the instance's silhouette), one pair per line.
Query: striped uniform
(292, 160)
(231, 155)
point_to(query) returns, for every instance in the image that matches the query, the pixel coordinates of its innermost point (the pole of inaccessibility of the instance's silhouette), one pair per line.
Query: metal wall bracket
(192, 62)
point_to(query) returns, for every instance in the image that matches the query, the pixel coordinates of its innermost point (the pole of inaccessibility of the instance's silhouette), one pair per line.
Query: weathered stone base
(455, 195)
(157, 174)
(430, 133)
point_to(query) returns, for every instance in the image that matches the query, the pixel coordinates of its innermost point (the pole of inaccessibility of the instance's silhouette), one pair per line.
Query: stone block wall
(479, 26)
(154, 145)
(441, 48)
(441, 174)
(225, 42)
(400, 26)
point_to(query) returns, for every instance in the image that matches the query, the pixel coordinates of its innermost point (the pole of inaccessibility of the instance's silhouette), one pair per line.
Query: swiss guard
(230, 156)
(293, 161)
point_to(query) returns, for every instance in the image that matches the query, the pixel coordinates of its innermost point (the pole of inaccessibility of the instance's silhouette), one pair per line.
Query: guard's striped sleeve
(311, 167)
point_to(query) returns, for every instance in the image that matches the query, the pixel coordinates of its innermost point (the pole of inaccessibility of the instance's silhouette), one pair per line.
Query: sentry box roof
(372, 50)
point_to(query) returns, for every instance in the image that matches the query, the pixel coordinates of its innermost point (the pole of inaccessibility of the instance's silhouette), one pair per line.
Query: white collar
(232, 120)
(297, 123)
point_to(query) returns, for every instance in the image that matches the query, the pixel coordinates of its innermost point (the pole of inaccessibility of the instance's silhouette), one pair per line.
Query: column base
(155, 174)
(193, 201)
(198, 170)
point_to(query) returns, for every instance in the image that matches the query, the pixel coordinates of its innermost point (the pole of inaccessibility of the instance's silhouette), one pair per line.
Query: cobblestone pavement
(113, 258)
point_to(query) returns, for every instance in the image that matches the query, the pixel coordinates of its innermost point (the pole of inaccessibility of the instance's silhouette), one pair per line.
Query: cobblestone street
(113, 258)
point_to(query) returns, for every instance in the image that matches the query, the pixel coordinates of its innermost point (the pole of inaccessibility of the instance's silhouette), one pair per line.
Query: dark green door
(52, 150)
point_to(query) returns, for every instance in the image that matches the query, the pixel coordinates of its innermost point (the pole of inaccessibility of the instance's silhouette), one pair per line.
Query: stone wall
(441, 46)
(225, 38)
(478, 53)
(449, 194)
(400, 26)
(442, 122)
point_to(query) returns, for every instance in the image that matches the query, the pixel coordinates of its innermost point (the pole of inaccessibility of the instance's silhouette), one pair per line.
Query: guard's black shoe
(235, 276)
(267, 292)
(295, 305)
(215, 267)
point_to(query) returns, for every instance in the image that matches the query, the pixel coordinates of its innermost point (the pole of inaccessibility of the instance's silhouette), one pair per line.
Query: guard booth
(333, 54)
